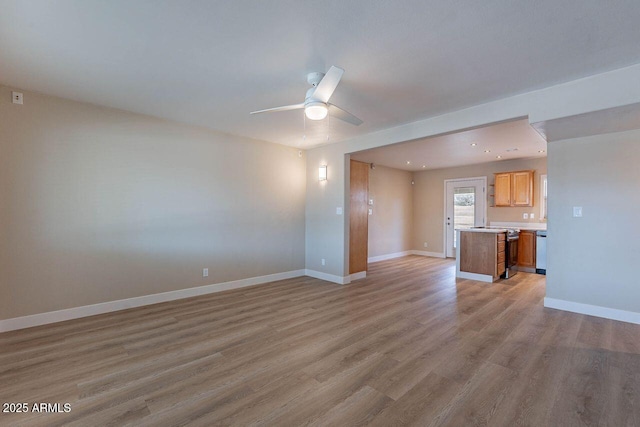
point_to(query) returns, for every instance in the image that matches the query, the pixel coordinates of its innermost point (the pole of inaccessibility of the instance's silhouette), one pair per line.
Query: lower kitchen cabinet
(527, 251)
(480, 255)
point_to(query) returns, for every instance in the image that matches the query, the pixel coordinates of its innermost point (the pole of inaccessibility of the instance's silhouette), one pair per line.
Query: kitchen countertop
(520, 225)
(485, 230)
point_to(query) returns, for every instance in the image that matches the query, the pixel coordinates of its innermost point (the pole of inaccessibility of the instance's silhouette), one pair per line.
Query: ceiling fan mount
(316, 103)
(314, 78)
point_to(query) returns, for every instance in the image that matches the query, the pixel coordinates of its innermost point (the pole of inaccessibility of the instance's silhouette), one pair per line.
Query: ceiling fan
(316, 102)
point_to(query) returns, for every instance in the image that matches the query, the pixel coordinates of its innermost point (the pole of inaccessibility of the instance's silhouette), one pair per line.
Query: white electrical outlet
(577, 211)
(323, 262)
(338, 211)
(532, 215)
(525, 216)
(370, 211)
(370, 202)
(426, 244)
(205, 272)
(16, 98)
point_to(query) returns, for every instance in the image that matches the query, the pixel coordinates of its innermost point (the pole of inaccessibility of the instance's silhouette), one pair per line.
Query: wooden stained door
(358, 217)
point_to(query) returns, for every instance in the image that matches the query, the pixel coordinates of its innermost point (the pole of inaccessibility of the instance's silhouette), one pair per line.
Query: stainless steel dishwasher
(541, 252)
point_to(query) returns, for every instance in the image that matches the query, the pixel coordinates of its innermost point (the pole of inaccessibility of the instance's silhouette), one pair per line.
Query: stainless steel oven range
(511, 255)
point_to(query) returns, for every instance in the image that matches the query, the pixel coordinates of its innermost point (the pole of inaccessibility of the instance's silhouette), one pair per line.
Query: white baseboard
(357, 276)
(593, 310)
(389, 256)
(108, 307)
(405, 253)
(474, 276)
(340, 280)
(431, 254)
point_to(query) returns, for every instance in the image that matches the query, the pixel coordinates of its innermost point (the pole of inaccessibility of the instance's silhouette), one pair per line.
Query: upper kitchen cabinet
(514, 188)
(522, 188)
(502, 196)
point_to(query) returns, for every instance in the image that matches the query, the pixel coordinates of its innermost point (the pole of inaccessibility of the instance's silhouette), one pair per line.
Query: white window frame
(543, 197)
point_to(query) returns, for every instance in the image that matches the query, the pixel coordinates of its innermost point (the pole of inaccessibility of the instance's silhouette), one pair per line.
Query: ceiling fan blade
(328, 84)
(285, 108)
(344, 115)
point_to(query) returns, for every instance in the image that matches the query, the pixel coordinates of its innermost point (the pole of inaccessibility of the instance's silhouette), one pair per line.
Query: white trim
(474, 276)
(593, 310)
(430, 254)
(404, 253)
(389, 256)
(466, 179)
(541, 199)
(123, 304)
(340, 280)
(357, 276)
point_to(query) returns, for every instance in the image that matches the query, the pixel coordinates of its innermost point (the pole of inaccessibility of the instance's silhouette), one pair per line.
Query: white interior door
(465, 207)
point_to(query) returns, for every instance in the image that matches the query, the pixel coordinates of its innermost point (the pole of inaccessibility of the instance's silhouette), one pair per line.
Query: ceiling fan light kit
(316, 110)
(316, 103)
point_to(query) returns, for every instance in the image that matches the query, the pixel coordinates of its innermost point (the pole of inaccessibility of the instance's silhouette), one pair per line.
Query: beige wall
(98, 205)
(390, 226)
(594, 259)
(428, 214)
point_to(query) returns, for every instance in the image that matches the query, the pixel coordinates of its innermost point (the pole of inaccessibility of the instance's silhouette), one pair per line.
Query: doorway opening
(465, 207)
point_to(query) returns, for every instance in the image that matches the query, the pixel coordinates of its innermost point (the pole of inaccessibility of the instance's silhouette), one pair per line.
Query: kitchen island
(480, 254)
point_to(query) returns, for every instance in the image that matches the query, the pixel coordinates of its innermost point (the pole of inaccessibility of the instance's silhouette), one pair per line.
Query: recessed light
(498, 157)
(408, 162)
(473, 144)
(424, 166)
(540, 151)
(487, 151)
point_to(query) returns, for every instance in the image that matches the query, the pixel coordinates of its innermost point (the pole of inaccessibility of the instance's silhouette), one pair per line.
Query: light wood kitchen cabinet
(527, 250)
(502, 195)
(482, 254)
(513, 189)
(502, 257)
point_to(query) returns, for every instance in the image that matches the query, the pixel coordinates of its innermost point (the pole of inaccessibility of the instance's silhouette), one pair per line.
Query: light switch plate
(525, 216)
(370, 211)
(577, 211)
(338, 211)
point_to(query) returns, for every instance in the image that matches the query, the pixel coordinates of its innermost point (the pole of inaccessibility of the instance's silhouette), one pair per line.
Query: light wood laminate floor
(408, 345)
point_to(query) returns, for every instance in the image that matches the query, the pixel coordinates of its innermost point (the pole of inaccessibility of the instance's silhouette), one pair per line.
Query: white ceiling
(510, 140)
(212, 62)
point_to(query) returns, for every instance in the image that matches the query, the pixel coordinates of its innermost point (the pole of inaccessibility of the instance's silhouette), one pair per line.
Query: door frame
(444, 216)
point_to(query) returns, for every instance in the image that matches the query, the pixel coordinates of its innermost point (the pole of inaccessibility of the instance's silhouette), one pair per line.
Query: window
(464, 209)
(543, 197)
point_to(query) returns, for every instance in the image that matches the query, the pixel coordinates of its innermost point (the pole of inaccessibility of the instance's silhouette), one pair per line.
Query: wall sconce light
(322, 173)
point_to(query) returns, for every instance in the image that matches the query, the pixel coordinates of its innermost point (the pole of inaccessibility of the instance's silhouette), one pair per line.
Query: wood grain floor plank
(408, 345)
(479, 398)
(421, 404)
